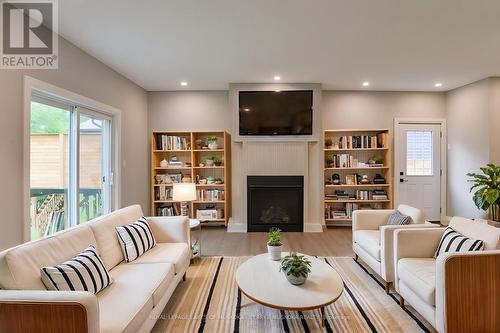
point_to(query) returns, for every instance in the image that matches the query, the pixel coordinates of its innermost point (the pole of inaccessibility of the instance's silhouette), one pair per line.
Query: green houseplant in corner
(274, 245)
(296, 268)
(486, 188)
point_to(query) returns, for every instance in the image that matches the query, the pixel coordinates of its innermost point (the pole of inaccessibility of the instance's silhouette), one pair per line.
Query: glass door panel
(49, 168)
(94, 166)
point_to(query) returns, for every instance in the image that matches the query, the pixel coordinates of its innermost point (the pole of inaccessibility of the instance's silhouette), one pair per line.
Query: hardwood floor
(336, 242)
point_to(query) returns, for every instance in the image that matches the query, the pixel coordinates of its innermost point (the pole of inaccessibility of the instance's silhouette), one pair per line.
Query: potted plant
(217, 161)
(274, 244)
(486, 188)
(212, 142)
(296, 268)
(209, 162)
(329, 161)
(328, 143)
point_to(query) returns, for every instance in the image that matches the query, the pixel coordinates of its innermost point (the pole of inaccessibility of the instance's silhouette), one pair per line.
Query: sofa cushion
(417, 216)
(105, 234)
(125, 305)
(135, 239)
(477, 230)
(84, 272)
(20, 266)
(177, 254)
(369, 240)
(419, 275)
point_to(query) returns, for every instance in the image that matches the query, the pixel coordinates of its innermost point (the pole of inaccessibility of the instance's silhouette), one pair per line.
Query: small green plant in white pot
(296, 268)
(212, 142)
(274, 245)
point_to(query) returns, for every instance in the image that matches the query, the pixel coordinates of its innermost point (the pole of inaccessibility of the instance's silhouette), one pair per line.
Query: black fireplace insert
(275, 201)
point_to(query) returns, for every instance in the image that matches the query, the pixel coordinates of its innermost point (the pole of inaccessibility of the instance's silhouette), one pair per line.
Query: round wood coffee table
(260, 279)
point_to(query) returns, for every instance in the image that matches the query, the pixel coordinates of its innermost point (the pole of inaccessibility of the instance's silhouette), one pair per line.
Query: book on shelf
(363, 141)
(210, 214)
(172, 209)
(210, 195)
(172, 142)
(163, 192)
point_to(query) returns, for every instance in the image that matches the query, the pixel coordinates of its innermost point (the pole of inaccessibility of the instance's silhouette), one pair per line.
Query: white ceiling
(394, 44)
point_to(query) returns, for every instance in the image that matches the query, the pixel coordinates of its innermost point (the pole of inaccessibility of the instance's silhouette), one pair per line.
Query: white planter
(213, 145)
(274, 252)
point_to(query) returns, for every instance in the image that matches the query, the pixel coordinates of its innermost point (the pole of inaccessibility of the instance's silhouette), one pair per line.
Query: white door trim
(397, 147)
(33, 85)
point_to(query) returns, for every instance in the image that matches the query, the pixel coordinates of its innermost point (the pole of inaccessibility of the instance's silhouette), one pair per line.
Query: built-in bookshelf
(203, 158)
(357, 173)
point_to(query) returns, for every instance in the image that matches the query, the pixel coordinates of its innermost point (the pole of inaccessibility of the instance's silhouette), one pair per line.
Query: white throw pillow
(135, 239)
(85, 272)
(452, 241)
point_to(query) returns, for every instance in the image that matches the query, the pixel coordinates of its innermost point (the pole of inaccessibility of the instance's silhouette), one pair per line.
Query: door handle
(402, 180)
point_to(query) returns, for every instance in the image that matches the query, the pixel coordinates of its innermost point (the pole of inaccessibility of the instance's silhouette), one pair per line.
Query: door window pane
(419, 153)
(91, 167)
(49, 165)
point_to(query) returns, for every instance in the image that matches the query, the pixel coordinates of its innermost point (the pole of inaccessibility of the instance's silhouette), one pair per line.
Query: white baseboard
(313, 227)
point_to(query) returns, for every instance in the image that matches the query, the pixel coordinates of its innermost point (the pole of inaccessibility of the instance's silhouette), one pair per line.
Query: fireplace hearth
(275, 201)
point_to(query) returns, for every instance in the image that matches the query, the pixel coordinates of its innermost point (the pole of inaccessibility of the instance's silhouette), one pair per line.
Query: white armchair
(372, 238)
(457, 292)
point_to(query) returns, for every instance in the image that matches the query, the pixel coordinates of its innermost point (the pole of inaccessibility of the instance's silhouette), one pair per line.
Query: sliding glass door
(70, 165)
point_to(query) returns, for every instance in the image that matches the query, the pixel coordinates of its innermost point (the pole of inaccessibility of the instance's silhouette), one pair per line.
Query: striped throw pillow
(452, 241)
(135, 239)
(85, 272)
(398, 218)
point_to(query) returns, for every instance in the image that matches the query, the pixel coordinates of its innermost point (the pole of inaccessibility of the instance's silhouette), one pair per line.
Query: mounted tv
(287, 112)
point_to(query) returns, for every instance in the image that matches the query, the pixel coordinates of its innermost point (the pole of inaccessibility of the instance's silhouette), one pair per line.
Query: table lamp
(184, 192)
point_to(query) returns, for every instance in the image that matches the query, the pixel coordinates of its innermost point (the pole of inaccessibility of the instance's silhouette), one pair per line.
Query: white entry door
(419, 167)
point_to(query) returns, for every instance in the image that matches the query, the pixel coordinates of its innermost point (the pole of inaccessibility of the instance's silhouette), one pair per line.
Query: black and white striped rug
(209, 301)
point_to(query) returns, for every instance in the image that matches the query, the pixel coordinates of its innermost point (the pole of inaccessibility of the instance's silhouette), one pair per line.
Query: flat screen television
(287, 112)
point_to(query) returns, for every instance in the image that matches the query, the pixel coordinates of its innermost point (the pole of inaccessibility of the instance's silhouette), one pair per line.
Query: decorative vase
(213, 145)
(274, 252)
(295, 280)
(164, 163)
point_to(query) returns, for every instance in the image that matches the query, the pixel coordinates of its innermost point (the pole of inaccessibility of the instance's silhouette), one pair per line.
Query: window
(419, 153)
(70, 165)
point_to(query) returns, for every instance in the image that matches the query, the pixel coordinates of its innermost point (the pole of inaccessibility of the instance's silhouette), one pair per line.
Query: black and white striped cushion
(452, 241)
(135, 239)
(398, 218)
(85, 272)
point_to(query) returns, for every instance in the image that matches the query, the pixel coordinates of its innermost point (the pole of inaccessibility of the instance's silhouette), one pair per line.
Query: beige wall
(495, 120)
(355, 109)
(189, 110)
(84, 75)
(473, 135)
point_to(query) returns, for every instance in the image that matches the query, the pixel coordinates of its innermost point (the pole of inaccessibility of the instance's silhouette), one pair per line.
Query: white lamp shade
(184, 192)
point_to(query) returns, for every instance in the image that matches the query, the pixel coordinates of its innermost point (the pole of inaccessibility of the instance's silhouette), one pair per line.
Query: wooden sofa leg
(184, 277)
(401, 301)
(387, 287)
(356, 257)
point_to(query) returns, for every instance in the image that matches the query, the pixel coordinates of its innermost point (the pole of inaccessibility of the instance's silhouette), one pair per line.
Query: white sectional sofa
(132, 303)
(457, 292)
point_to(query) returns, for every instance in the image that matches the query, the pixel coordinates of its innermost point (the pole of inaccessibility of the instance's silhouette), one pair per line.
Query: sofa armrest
(48, 311)
(468, 291)
(170, 229)
(370, 219)
(387, 246)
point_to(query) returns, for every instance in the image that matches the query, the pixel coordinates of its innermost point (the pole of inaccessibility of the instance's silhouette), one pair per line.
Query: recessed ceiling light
(184, 83)
(437, 85)
(277, 78)
(366, 84)
(246, 109)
